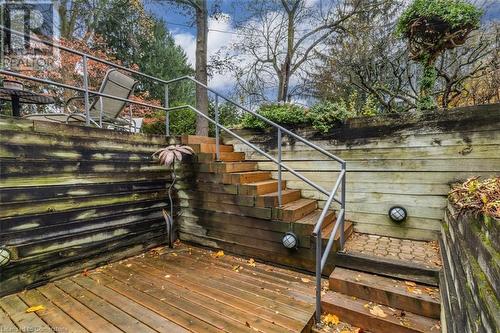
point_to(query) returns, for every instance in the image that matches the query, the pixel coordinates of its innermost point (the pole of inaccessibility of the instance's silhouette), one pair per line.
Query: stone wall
(470, 281)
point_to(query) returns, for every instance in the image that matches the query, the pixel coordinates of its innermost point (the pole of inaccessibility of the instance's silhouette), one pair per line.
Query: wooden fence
(408, 160)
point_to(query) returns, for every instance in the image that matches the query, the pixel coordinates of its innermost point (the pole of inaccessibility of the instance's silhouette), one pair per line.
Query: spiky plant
(168, 156)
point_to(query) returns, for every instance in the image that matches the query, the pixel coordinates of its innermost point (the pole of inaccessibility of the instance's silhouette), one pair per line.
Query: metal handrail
(321, 256)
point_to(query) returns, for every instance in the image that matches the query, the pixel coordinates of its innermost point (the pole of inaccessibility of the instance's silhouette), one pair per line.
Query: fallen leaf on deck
(331, 319)
(414, 290)
(247, 324)
(305, 280)
(353, 330)
(218, 254)
(128, 265)
(167, 276)
(377, 311)
(173, 254)
(251, 262)
(35, 308)
(411, 284)
(405, 322)
(237, 268)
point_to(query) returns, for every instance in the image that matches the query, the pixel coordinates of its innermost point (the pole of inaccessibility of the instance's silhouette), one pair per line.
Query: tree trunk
(201, 66)
(284, 79)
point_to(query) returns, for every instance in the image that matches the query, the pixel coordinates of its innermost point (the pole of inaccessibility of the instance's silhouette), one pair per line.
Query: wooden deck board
(186, 289)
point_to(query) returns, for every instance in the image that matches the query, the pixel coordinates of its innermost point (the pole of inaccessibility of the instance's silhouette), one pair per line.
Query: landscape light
(4, 256)
(397, 214)
(290, 240)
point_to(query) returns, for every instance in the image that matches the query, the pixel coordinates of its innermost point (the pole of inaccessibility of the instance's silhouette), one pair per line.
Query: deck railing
(321, 254)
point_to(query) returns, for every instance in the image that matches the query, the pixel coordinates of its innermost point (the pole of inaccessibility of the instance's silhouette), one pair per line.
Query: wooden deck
(186, 289)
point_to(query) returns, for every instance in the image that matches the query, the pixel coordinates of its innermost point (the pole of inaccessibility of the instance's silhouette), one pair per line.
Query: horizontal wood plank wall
(407, 160)
(73, 198)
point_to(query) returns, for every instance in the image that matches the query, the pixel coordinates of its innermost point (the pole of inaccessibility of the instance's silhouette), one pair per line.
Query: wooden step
(210, 148)
(271, 199)
(225, 167)
(408, 296)
(308, 222)
(224, 156)
(262, 187)
(327, 230)
(295, 210)
(196, 139)
(404, 270)
(246, 177)
(356, 312)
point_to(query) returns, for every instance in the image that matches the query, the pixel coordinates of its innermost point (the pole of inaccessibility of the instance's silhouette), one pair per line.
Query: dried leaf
(377, 311)
(35, 308)
(305, 280)
(414, 290)
(411, 284)
(251, 262)
(331, 319)
(218, 254)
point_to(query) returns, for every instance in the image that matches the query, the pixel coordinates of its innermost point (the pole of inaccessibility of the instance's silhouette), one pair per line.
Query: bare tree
(475, 62)
(281, 36)
(371, 61)
(367, 61)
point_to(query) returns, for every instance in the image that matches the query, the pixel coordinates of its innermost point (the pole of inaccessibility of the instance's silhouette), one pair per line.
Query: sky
(222, 31)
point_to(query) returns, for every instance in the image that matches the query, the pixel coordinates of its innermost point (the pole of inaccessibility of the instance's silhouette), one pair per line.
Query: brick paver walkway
(420, 252)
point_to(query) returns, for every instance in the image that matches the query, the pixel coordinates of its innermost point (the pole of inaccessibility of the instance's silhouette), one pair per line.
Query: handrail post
(318, 277)
(167, 115)
(101, 105)
(217, 134)
(280, 199)
(130, 117)
(342, 200)
(86, 88)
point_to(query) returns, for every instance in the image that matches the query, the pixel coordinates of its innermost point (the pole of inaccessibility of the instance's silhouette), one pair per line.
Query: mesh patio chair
(104, 111)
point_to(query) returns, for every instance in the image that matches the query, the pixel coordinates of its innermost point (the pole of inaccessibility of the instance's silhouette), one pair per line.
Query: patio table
(13, 91)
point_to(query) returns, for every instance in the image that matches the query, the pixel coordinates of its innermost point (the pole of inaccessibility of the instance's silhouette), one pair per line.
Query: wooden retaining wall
(73, 198)
(470, 281)
(406, 160)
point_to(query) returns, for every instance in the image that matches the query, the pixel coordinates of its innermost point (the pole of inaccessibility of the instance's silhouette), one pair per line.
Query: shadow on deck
(187, 289)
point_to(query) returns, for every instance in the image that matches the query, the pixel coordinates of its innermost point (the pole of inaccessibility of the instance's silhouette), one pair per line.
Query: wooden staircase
(381, 304)
(235, 186)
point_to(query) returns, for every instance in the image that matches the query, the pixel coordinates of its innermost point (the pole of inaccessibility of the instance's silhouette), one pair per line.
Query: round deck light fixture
(5, 256)
(290, 240)
(398, 214)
